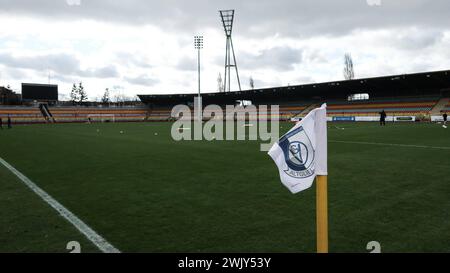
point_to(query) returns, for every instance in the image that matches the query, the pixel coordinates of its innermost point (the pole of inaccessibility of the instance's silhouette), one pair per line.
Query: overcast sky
(146, 46)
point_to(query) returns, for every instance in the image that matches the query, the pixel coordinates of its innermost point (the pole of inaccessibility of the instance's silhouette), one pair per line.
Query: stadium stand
(20, 115)
(286, 112)
(290, 110)
(439, 107)
(83, 114)
(392, 106)
(44, 114)
(159, 114)
(399, 95)
(446, 108)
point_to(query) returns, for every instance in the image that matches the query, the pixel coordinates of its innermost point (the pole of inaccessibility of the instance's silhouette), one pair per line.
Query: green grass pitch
(147, 193)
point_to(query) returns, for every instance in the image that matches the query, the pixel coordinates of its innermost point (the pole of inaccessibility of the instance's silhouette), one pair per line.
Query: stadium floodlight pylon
(227, 17)
(198, 44)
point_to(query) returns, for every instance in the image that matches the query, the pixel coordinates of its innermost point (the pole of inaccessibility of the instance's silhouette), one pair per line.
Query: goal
(101, 118)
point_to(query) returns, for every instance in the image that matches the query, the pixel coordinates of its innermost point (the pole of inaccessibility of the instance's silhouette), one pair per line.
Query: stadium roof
(418, 84)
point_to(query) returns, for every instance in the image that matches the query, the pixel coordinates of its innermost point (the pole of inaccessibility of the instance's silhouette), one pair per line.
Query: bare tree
(219, 83)
(252, 83)
(81, 93)
(349, 72)
(74, 94)
(105, 98)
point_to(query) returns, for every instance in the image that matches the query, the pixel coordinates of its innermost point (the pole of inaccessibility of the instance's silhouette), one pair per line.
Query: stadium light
(198, 43)
(227, 17)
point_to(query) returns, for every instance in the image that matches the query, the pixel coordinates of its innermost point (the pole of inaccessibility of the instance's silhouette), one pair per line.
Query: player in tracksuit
(383, 118)
(9, 122)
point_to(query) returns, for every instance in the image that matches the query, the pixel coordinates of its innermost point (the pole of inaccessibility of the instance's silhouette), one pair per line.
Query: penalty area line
(87, 231)
(390, 144)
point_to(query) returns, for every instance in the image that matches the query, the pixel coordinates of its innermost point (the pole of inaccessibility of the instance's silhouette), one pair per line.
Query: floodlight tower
(198, 43)
(227, 17)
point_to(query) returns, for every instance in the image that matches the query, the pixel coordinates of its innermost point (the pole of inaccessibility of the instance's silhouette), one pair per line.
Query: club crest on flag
(301, 154)
(298, 153)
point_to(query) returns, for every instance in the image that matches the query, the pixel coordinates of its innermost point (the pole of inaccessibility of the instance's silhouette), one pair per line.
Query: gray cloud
(304, 80)
(261, 83)
(104, 72)
(315, 56)
(254, 17)
(187, 64)
(143, 80)
(278, 58)
(411, 31)
(417, 40)
(15, 74)
(63, 78)
(131, 60)
(64, 64)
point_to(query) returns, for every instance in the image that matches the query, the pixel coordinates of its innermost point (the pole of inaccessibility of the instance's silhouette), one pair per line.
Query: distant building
(8, 97)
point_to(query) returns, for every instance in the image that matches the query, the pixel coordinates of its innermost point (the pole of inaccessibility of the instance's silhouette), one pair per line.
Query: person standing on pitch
(445, 119)
(383, 118)
(9, 122)
(1, 123)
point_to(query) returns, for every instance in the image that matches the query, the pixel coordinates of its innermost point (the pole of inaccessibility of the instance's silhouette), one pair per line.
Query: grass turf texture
(147, 193)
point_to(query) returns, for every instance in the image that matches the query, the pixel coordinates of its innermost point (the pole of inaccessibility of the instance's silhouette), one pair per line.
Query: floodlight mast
(227, 17)
(198, 43)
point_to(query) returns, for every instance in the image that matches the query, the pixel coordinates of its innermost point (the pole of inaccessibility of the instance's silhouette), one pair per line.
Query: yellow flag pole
(322, 213)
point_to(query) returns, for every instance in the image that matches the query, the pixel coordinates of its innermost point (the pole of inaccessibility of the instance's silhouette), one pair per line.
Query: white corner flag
(301, 154)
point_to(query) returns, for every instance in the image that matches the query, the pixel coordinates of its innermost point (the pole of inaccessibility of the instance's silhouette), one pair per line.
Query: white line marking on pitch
(390, 144)
(90, 234)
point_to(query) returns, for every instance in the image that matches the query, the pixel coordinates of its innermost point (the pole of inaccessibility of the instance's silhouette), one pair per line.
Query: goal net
(101, 118)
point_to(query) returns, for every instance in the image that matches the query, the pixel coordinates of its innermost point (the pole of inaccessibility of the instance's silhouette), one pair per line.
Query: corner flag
(301, 154)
